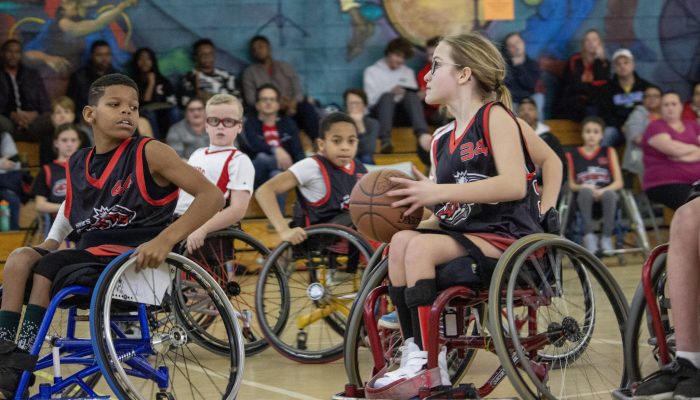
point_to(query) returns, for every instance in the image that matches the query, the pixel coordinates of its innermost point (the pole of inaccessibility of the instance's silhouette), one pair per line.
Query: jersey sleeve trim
(326, 180)
(141, 179)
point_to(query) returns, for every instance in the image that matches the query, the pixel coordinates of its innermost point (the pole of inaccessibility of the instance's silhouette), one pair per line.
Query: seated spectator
(62, 112)
(691, 109)
(10, 177)
(587, 72)
(433, 113)
(622, 93)
(50, 183)
(636, 124)
(528, 112)
(271, 140)
(388, 83)
(157, 100)
(100, 64)
(523, 72)
(367, 127)
(22, 94)
(594, 176)
(189, 134)
(671, 149)
(265, 69)
(205, 80)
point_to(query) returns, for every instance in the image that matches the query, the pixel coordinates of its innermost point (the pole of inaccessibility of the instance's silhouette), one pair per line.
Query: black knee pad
(397, 294)
(422, 294)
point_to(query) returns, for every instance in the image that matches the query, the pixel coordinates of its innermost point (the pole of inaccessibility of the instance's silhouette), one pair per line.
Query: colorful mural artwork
(331, 42)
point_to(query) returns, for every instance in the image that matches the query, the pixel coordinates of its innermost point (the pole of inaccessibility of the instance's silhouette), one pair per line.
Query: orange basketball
(370, 206)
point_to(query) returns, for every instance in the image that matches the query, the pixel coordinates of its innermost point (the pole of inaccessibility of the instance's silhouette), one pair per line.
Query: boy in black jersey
(323, 182)
(120, 195)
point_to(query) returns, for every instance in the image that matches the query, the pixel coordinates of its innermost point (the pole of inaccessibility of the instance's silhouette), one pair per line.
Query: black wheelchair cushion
(82, 274)
(465, 271)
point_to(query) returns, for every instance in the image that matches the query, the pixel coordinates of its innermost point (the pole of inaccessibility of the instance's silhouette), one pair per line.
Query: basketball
(370, 206)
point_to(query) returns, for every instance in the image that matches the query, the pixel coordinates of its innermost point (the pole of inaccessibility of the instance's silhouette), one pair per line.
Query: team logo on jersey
(455, 213)
(594, 176)
(59, 188)
(120, 188)
(115, 216)
(345, 204)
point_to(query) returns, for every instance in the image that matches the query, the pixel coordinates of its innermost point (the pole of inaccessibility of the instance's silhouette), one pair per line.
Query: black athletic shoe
(663, 383)
(14, 361)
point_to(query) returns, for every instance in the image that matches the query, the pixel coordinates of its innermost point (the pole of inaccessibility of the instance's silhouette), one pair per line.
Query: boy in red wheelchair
(323, 181)
(482, 193)
(681, 378)
(120, 195)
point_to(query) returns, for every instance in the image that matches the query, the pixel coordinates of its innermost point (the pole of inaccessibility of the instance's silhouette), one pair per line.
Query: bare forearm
(225, 218)
(268, 203)
(499, 188)
(552, 174)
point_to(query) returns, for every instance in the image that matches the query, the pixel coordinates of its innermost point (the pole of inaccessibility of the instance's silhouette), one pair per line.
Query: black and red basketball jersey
(55, 181)
(593, 169)
(467, 158)
(339, 185)
(112, 192)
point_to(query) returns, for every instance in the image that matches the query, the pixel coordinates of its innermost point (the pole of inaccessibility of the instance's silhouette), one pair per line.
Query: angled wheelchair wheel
(161, 358)
(234, 259)
(306, 320)
(562, 319)
(358, 352)
(644, 352)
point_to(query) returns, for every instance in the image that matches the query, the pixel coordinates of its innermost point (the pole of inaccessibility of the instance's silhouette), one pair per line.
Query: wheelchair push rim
(115, 352)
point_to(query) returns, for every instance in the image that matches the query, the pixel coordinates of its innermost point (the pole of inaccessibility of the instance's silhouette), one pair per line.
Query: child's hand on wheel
(152, 253)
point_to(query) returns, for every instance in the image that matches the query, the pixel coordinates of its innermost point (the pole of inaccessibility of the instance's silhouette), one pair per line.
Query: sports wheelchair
(305, 291)
(234, 259)
(649, 333)
(552, 314)
(628, 219)
(142, 334)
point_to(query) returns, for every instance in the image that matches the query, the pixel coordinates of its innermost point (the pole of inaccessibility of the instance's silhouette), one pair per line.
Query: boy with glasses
(222, 164)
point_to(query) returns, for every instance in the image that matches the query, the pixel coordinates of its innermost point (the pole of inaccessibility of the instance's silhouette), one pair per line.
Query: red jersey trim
(453, 140)
(570, 162)
(47, 175)
(99, 183)
(610, 164)
(108, 250)
(327, 181)
(487, 135)
(224, 177)
(207, 152)
(350, 170)
(69, 194)
(141, 180)
(586, 156)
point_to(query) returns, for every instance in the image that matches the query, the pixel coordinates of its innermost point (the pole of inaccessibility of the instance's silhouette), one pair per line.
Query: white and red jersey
(226, 167)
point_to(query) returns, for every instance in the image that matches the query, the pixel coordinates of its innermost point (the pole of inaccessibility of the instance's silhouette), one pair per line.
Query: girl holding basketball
(481, 189)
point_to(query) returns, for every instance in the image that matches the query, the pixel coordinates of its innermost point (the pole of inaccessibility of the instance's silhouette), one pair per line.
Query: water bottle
(4, 216)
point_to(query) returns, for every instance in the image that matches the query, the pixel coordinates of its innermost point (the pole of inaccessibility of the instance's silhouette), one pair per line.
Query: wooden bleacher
(568, 132)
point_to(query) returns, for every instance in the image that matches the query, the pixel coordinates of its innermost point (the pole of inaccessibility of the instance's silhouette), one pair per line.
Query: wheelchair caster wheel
(301, 340)
(165, 396)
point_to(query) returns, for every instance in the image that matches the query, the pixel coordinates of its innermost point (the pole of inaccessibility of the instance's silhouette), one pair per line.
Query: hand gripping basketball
(371, 206)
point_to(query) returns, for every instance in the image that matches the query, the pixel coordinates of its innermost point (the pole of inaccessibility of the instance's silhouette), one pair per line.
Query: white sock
(693, 357)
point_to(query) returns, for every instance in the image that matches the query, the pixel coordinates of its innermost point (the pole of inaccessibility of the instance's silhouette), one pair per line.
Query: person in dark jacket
(271, 140)
(19, 112)
(523, 72)
(622, 93)
(100, 64)
(587, 72)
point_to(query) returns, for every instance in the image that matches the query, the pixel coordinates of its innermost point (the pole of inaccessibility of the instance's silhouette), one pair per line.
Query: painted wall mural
(330, 42)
